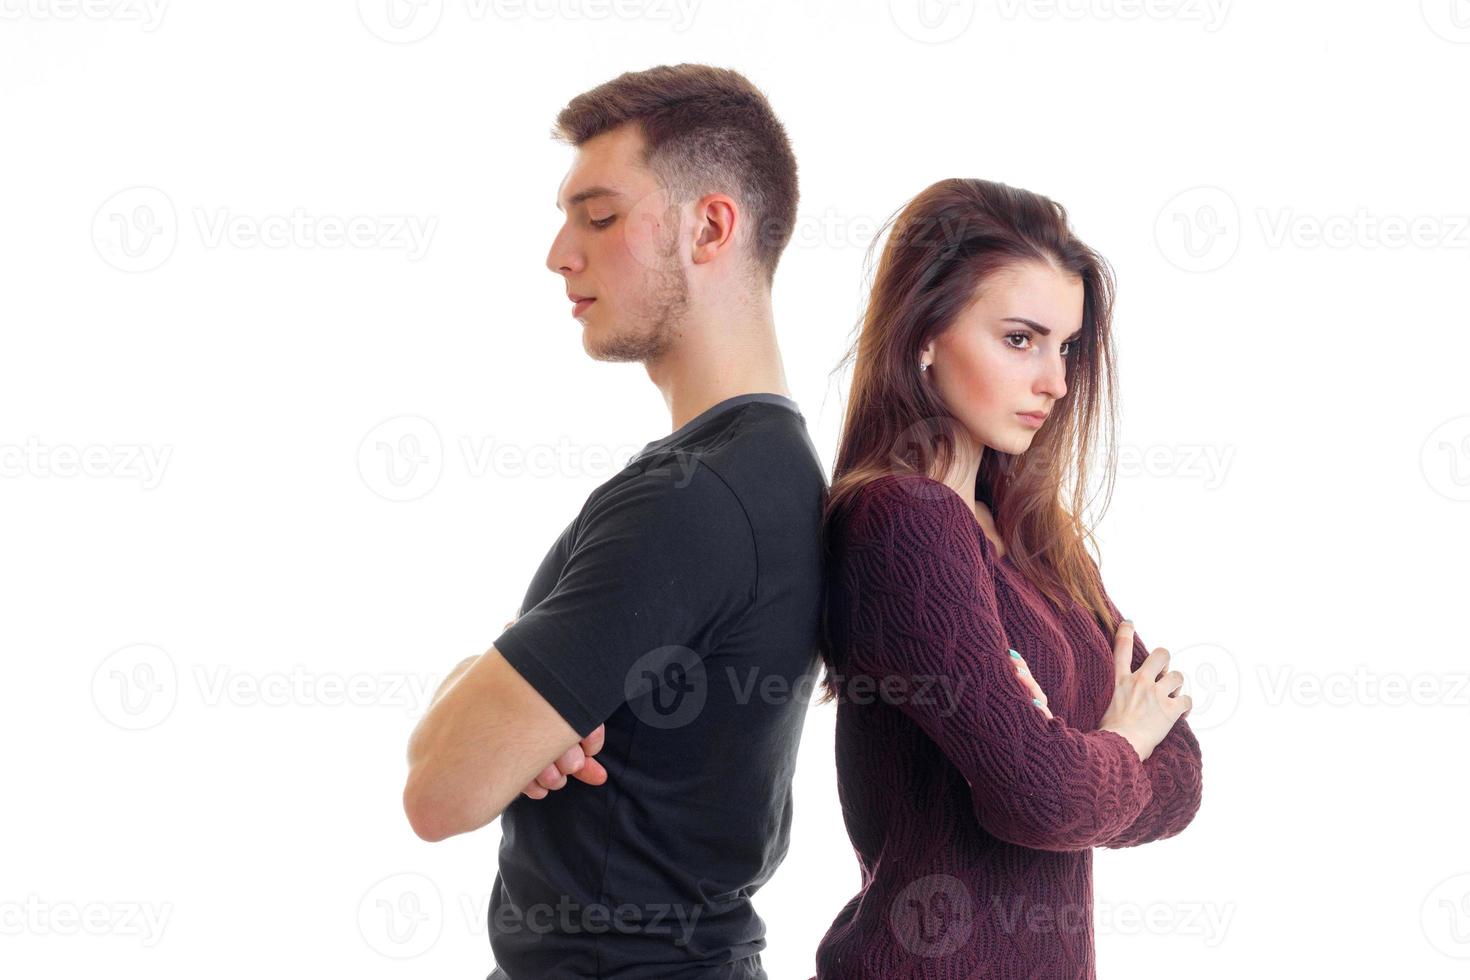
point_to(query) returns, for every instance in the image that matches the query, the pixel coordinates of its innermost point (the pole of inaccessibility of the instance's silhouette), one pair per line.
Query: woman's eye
(1066, 345)
(603, 222)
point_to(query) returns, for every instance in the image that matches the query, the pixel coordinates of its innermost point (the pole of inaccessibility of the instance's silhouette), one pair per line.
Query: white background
(221, 615)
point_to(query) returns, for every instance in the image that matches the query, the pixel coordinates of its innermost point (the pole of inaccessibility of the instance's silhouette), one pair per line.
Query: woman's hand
(1145, 703)
(1038, 696)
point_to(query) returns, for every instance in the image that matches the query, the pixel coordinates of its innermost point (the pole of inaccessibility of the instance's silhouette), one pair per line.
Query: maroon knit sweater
(972, 814)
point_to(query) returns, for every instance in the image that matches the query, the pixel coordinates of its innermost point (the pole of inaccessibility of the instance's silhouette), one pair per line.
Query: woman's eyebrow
(1044, 331)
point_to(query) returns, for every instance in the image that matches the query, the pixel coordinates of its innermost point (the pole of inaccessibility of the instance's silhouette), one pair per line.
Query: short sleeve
(659, 561)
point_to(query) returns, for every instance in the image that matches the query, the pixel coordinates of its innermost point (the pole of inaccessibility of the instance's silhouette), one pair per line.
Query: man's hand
(575, 761)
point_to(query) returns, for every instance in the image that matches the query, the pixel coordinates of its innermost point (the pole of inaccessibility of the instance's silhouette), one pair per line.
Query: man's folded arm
(486, 737)
(663, 565)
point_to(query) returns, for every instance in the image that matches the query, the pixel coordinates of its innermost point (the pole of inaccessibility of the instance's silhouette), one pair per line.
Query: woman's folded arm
(1174, 774)
(925, 634)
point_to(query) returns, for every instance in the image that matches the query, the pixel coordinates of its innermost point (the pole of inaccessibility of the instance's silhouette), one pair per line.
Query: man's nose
(564, 257)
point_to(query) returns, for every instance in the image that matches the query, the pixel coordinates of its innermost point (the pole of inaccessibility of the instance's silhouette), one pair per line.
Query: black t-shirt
(681, 608)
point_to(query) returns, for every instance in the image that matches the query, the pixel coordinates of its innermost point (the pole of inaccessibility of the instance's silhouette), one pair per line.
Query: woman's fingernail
(1036, 701)
(1016, 655)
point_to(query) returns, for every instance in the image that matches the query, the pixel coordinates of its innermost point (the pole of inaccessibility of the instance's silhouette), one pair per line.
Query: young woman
(995, 720)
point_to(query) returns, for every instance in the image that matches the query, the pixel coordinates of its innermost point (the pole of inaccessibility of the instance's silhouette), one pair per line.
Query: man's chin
(622, 347)
(605, 355)
(616, 353)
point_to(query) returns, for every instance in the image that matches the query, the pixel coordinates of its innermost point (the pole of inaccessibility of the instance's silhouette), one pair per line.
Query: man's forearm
(454, 675)
(415, 740)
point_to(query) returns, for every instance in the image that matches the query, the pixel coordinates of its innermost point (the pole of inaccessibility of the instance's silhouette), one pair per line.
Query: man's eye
(602, 222)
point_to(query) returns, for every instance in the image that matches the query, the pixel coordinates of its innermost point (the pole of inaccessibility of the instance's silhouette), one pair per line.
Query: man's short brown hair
(705, 129)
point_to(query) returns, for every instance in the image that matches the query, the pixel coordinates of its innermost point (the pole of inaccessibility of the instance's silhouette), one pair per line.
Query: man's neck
(715, 361)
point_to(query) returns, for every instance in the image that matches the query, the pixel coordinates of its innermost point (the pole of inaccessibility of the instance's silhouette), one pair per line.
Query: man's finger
(571, 760)
(576, 761)
(592, 773)
(551, 777)
(592, 744)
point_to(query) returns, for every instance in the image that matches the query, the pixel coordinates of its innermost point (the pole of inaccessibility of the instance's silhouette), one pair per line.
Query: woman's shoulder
(907, 503)
(911, 490)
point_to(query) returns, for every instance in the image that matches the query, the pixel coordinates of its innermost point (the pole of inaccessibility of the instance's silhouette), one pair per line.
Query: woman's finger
(1033, 689)
(1123, 649)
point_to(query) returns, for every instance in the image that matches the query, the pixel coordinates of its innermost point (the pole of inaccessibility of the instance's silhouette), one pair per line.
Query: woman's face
(1006, 354)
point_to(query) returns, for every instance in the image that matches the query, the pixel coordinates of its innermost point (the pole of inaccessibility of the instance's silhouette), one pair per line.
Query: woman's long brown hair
(941, 248)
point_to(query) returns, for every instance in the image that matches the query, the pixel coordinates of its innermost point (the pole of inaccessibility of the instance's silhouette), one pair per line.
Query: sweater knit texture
(973, 815)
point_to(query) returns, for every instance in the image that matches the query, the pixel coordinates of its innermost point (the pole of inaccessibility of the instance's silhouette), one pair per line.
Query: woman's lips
(1032, 420)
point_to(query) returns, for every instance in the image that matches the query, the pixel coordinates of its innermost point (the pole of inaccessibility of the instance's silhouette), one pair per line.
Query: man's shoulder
(672, 488)
(764, 448)
(757, 473)
(756, 445)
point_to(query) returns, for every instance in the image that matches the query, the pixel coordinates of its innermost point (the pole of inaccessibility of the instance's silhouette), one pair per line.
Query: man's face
(618, 250)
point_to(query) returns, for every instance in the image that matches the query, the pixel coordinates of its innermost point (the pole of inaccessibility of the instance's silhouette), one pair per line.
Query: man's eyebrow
(588, 194)
(1044, 331)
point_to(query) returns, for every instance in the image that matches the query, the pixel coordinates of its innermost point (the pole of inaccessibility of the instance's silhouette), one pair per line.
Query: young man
(671, 630)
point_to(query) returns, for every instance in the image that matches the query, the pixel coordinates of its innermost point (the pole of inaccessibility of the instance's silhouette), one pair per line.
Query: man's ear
(717, 220)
